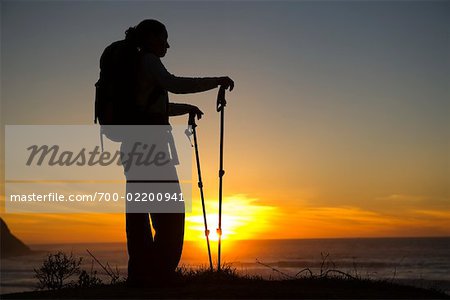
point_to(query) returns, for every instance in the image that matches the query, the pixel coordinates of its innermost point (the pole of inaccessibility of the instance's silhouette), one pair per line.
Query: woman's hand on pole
(194, 111)
(226, 82)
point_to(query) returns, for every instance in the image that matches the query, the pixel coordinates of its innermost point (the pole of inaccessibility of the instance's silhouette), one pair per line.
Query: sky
(338, 125)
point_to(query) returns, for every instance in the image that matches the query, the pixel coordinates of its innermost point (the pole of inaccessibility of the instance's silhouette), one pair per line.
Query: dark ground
(244, 288)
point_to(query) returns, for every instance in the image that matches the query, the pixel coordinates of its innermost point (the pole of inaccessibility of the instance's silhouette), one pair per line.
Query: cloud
(352, 221)
(408, 198)
(434, 214)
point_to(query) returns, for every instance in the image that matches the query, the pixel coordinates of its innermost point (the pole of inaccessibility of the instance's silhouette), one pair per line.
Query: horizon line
(265, 240)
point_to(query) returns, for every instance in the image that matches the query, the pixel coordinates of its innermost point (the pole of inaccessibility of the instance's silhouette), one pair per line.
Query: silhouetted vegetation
(56, 269)
(59, 270)
(328, 282)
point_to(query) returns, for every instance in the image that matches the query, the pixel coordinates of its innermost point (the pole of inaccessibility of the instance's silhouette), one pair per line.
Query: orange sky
(244, 218)
(338, 125)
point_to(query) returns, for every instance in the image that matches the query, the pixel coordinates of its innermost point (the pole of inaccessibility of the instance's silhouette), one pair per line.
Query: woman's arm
(182, 85)
(178, 109)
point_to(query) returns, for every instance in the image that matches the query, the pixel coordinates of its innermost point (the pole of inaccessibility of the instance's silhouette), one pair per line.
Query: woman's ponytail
(131, 35)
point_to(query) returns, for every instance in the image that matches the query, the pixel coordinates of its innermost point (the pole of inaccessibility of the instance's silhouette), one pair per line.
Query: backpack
(115, 91)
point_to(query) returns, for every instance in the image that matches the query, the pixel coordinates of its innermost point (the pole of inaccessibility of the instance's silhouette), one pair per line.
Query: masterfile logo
(73, 168)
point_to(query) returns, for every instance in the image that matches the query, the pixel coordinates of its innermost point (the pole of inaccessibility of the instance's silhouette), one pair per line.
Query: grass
(326, 282)
(203, 283)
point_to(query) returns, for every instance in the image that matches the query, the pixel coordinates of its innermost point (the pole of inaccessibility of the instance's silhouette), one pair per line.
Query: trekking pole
(221, 102)
(200, 183)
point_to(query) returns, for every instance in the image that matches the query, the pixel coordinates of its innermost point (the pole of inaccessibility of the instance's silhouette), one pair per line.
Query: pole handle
(191, 120)
(221, 102)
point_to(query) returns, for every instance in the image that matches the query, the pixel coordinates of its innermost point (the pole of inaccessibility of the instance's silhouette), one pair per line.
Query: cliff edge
(9, 244)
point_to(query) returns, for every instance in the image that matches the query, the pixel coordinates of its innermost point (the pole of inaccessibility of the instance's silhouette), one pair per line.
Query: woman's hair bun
(131, 34)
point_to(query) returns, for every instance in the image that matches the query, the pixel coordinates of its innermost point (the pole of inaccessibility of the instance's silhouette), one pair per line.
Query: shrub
(56, 269)
(87, 280)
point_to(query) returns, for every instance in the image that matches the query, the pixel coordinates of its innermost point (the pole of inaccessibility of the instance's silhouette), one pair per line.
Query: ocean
(423, 262)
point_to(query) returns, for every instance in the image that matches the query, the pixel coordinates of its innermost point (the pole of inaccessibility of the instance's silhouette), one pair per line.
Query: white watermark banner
(80, 168)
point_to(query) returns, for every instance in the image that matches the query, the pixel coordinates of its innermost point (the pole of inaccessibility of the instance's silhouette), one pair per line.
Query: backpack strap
(96, 108)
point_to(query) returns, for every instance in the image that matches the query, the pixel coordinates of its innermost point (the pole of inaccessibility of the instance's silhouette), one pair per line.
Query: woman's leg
(139, 245)
(168, 241)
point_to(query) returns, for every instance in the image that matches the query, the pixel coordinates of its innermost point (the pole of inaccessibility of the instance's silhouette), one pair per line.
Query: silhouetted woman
(153, 258)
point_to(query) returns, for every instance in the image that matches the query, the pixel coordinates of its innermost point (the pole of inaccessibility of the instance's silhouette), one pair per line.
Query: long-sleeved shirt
(154, 83)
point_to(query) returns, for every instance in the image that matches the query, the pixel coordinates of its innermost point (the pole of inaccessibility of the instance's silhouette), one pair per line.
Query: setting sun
(242, 218)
